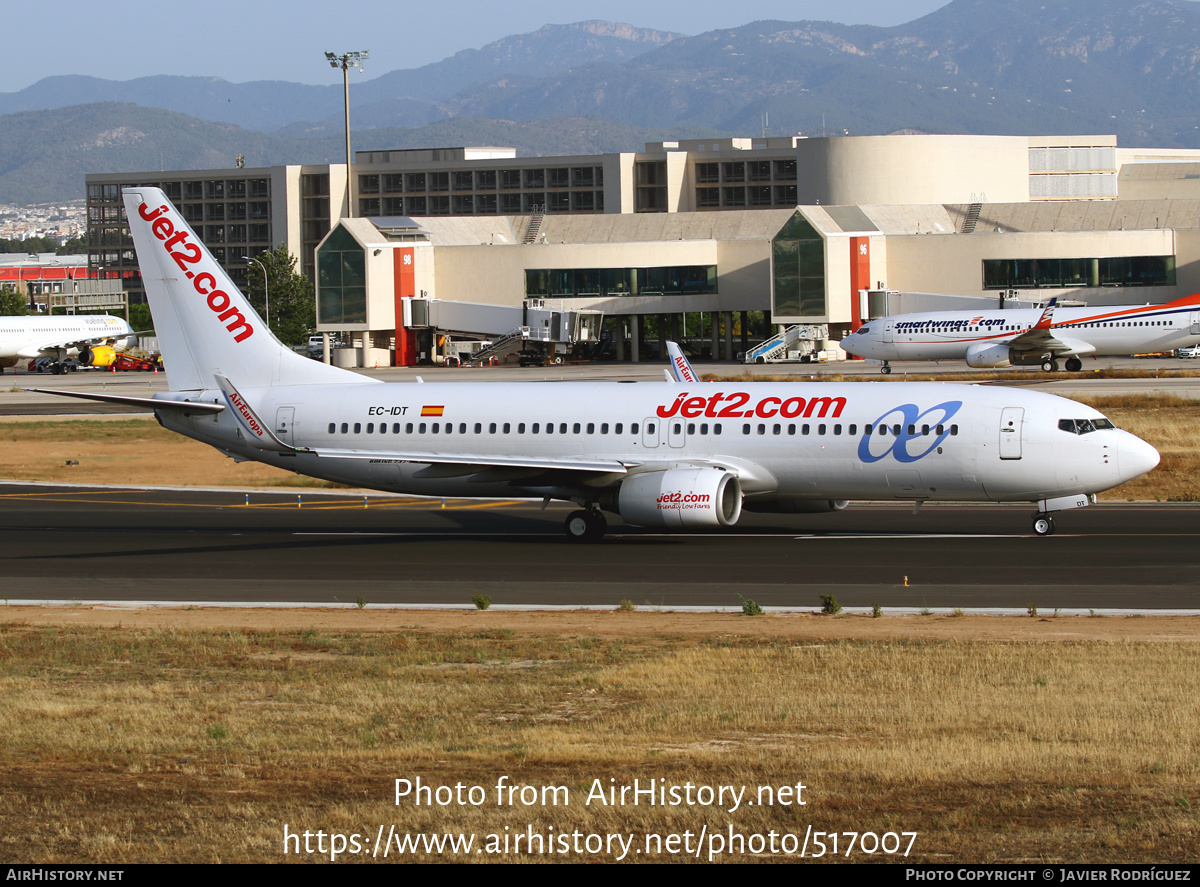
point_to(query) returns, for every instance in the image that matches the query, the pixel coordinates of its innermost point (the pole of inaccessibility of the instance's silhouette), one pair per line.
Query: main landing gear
(1050, 365)
(1073, 364)
(585, 525)
(1043, 524)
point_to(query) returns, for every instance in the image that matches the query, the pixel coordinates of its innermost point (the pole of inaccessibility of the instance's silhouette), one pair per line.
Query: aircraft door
(887, 331)
(284, 424)
(650, 433)
(676, 432)
(1195, 328)
(1011, 421)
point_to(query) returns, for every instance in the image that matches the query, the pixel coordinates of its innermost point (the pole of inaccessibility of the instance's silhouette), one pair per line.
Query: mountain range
(973, 66)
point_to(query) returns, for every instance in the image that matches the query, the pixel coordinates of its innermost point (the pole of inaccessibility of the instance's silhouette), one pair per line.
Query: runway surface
(129, 545)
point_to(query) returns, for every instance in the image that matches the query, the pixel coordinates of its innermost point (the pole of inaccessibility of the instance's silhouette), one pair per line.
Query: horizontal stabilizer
(149, 403)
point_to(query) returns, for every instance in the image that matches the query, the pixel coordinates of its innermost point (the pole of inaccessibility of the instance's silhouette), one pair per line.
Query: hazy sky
(240, 41)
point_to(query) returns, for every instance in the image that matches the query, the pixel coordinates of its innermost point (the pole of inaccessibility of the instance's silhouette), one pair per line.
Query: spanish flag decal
(431, 411)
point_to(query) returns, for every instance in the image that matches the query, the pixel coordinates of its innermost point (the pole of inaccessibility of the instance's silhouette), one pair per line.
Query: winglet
(1047, 318)
(680, 368)
(256, 431)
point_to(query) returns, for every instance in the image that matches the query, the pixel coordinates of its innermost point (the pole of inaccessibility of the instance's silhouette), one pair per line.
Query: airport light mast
(346, 61)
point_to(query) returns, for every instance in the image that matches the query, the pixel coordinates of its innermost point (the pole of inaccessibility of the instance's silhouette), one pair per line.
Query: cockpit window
(864, 330)
(1084, 426)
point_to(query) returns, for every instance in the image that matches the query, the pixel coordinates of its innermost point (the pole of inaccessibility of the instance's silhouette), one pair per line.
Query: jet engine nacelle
(795, 506)
(97, 356)
(681, 497)
(989, 357)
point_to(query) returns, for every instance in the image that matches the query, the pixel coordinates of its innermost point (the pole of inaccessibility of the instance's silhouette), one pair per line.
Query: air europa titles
(204, 283)
(737, 406)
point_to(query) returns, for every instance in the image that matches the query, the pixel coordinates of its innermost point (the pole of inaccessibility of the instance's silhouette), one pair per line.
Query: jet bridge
(538, 329)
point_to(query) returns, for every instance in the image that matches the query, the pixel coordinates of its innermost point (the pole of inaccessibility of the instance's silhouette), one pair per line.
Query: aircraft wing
(466, 463)
(37, 350)
(1040, 338)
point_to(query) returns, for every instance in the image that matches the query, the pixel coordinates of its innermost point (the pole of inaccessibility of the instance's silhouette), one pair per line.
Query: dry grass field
(1001, 740)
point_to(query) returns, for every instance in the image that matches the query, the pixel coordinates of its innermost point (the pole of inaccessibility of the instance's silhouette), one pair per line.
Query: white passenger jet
(93, 339)
(994, 338)
(683, 454)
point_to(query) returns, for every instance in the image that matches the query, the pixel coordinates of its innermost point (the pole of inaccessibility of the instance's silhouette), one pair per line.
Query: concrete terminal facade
(791, 226)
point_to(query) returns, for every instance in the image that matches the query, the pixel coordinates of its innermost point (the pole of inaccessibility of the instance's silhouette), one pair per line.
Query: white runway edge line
(644, 608)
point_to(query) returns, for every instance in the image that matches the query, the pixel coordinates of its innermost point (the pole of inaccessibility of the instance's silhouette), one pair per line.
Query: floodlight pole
(266, 292)
(346, 61)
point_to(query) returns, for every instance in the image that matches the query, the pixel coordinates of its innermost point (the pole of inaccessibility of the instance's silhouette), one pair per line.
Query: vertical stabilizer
(205, 326)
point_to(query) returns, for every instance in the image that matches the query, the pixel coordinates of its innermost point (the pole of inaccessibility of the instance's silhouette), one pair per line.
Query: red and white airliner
(683, 454)
(1029, 336)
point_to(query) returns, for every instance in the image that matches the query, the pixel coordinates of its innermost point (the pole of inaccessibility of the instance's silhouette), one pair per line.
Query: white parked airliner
(994, 338)
(681, 454)
(93, 339)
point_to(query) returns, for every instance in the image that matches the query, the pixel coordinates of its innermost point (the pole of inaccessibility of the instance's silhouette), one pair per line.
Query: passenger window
(370, 428)
(332, 427)
(691, 427)
(604, 428)
(492, 428)
(591, 428)
(853, 430)
(804, 429)
(745, 429)
(704, 428)
(837, 429)
(462, 428)
(633, 428)
(650, 428)
(953, 430)
(762, 429)
(358, 428)
(776, 429)
(717, 428)
(408, 428)
(479, 428)
(941, 429)
(821, 429)
(421, 428)
(574, 428)
(506, 427)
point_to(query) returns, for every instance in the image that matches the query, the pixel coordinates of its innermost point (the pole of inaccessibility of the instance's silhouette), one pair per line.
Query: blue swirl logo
(875, 446)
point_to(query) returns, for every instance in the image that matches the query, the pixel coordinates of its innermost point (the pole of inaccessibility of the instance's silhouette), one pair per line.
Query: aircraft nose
(1135, 457)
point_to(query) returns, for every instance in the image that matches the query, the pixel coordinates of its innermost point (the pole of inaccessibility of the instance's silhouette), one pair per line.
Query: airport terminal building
(475, 241)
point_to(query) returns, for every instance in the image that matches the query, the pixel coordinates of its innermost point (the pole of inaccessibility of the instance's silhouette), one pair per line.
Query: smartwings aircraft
(996, 338)
(682, 455)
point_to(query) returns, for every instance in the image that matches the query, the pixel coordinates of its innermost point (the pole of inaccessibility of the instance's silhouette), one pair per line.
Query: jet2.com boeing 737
(994, 338)
(681, 455)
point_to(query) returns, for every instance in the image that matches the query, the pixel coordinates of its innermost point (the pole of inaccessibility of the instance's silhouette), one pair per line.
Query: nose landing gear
(1043, 524)
(885, 369)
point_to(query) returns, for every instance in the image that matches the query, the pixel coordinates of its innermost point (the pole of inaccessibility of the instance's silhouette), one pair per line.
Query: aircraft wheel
(1049, 365)
(1074, 364)
(585, 526)
(1043, 525)
(885, 369)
